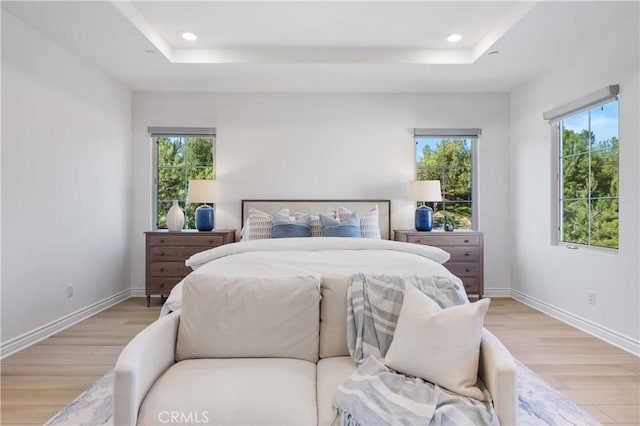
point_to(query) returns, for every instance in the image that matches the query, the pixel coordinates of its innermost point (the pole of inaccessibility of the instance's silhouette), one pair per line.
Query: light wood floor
(39, 381)
(602, 379)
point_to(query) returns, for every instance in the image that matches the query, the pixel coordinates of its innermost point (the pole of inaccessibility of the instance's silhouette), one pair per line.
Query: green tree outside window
(180, 159)
(589, 177)
(449, 160)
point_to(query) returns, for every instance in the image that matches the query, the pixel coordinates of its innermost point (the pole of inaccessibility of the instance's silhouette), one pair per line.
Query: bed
(316, 255)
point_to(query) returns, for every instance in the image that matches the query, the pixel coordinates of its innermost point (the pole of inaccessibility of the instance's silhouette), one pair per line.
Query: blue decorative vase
(424, 218)
(204, 218)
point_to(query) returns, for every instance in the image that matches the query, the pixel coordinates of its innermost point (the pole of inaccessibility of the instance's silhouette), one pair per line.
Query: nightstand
(167, 252)
(466, 249)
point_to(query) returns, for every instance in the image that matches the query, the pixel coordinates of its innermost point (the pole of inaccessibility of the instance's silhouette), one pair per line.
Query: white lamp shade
(203, 191)
(425, 190)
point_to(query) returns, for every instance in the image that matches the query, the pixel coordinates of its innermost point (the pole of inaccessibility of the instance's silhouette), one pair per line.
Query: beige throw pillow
(439, 345)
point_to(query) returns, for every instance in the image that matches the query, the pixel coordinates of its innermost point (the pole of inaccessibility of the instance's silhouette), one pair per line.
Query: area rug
(538, 404)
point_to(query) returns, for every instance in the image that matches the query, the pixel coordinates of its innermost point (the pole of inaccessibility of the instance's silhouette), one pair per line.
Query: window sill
(584, 247)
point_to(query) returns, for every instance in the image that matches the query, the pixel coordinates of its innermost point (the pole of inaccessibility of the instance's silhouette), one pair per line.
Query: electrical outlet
(70, 290)
(592, 297)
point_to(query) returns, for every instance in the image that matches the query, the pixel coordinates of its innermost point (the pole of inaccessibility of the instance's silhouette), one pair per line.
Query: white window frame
(466, 133)
(156, 132)
(555, 116)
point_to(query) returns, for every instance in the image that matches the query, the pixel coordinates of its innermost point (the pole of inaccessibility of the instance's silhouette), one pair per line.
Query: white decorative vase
(175, 217)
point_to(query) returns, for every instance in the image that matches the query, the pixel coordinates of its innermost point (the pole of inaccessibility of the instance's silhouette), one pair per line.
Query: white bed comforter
(314, 256)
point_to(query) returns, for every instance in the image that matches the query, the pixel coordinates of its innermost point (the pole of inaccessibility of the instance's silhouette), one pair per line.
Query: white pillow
(439, 345)
(369, 222)
(258, 224)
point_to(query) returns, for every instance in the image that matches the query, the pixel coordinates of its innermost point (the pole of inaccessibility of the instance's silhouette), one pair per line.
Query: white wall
(306, 146)
(66, 199)
(553, 277)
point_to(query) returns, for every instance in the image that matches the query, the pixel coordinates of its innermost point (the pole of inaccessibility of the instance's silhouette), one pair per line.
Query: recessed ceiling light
(454, 38)
(189, 36)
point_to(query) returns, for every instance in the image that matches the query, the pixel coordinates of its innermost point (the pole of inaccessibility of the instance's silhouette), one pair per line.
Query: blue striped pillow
(286, 227)
(349, 227)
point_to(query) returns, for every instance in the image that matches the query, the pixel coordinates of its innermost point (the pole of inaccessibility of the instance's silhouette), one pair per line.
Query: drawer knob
(419, 241)
(161, 269)
(467, 241)
(211, 241)
(162, 240)
(161, 253)
(467, 269)
(467, 254)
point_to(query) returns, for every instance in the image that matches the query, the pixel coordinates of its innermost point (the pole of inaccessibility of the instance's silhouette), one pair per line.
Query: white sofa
(249, 376)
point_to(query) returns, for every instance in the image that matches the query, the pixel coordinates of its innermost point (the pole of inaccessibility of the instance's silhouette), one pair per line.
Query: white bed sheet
(287, 257)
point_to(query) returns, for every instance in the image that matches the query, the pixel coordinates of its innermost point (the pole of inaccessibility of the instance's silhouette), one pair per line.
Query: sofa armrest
(498, 372)
(140, 364)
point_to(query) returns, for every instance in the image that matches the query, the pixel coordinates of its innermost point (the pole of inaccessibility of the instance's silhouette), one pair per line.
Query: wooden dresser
(467, 253)
(167, 252)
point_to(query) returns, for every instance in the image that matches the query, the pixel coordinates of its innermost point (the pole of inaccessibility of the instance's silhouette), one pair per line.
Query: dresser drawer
(464, 269)
(162, 285)
(161, 253)
(463, 254)
(186, 240)
(449, 239)
(168, 269)
(471, 284)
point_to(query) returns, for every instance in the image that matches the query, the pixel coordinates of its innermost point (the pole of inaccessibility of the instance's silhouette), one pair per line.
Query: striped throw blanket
(376, 395)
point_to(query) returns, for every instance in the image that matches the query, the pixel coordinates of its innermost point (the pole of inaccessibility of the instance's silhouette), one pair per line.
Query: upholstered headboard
(321, 206)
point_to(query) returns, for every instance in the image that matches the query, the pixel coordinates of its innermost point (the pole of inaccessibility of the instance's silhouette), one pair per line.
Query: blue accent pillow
(284, 227)
(349, 227)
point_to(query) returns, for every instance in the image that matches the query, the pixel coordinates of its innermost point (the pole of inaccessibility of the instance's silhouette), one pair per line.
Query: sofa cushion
(244, 317)
(249, 391)
(331, 373)
(333, 316)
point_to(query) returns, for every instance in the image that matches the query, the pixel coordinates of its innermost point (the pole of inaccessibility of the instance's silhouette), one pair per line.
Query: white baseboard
(138, 292)
(623, 342)
(497, 292)
(29, 338)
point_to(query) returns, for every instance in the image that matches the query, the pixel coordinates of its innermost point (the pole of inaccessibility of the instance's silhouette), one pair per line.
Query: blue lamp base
(204, 218)
(424, 218)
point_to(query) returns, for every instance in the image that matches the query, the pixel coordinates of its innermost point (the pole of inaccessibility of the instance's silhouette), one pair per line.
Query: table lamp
(424, 190)
(203, 191)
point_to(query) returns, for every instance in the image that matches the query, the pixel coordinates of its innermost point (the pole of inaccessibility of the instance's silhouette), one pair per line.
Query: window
(181, 154)
(588, 178)
(449, 155)
(587, 173)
